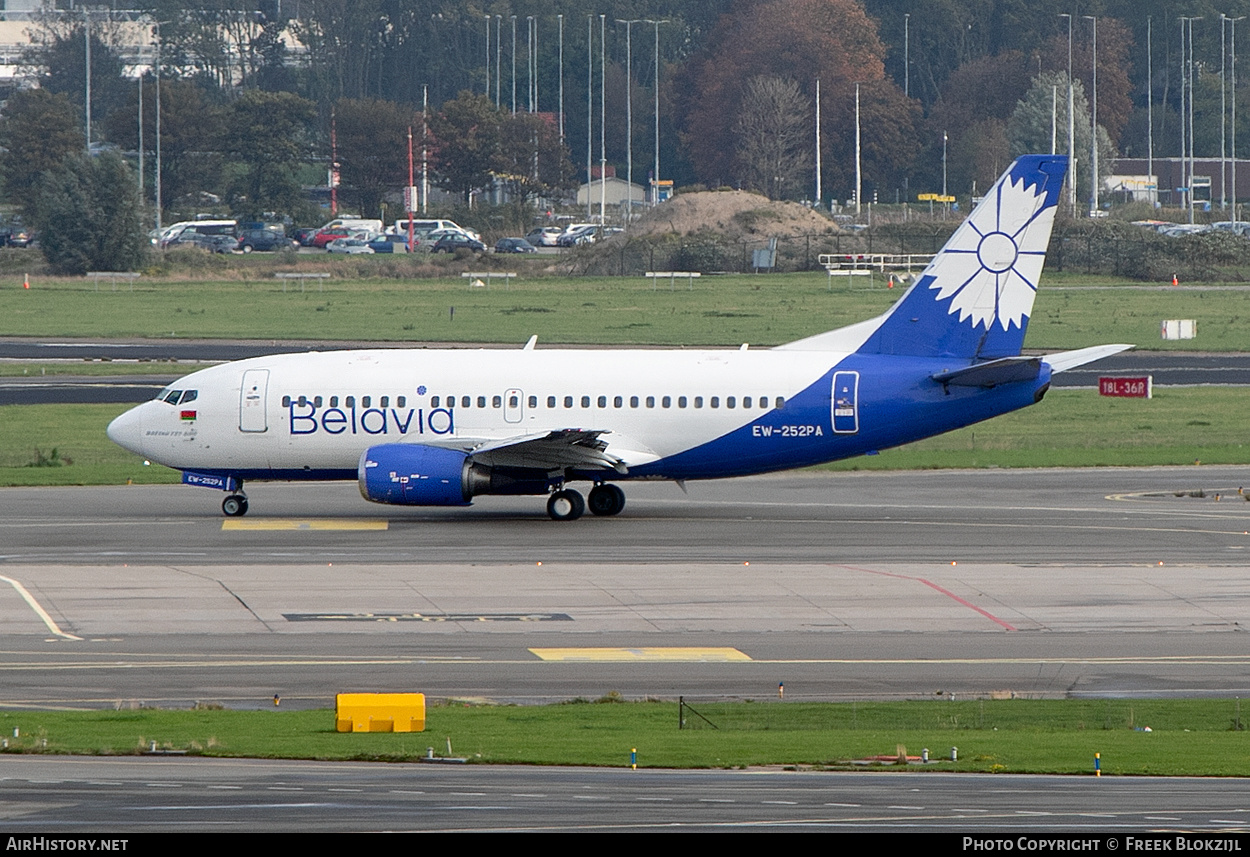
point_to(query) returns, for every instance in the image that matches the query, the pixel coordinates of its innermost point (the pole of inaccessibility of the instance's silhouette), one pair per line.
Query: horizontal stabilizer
(1065, 360)
(1008, 370)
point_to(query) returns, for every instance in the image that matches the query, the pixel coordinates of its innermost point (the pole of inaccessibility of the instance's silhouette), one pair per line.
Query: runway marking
(653, 654)
(934, 586)
(39, 611)
(258, 524)
(427, 617)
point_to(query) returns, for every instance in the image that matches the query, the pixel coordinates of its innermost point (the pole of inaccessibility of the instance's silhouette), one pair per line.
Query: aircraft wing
(556, 450)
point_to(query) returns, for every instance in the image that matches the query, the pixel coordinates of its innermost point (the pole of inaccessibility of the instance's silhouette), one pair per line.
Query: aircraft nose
(127, 430)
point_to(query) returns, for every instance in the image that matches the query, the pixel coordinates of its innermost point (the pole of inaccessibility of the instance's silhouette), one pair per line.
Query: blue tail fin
(975, 298)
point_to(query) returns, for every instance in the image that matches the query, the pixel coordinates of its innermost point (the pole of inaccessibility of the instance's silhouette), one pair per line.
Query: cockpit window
(173, 396)
(189, 396)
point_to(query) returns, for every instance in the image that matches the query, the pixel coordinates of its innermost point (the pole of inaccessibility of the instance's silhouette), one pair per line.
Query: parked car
(304, 235)
(349, 246)
(389, 243)
(452, 242)
(584, 234)
(514, 245)
(211, 243)
(265, 240)
(544, 236)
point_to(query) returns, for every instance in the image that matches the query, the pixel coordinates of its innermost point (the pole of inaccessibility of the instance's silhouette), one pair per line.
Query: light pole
(859, 176)
(1093, 128)
(488, 56)
(629, 115)
(945, 204)
(1187, 115)
(1150, 122)
(655, 178)
(590, 106)
(603, 119)
(513, 64)
(1071, 125)
(560, 21)
(157, 69)
(1223, 117)
(498, 57)
(86, 26)
(531, 90)
(907, 55)
(1232, 68)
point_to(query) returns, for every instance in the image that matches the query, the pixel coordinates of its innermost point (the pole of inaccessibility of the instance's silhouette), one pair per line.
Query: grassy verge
(1070, 428)
(728, 310)
(1185, 737)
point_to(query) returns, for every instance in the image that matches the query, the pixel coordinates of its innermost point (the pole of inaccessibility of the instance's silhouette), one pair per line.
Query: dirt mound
(735, 214)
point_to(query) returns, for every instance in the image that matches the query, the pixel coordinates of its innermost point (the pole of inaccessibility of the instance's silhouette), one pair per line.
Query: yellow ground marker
(254, 524)
(644, 654)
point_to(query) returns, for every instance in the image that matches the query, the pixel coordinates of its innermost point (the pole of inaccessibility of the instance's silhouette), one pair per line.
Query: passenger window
(568, 401)
(316, 401)
(666, 402)
(729, 401)
(681, 401)
(496, 401)
(715, 402)
(533, 401)
(386, 400)
(763, 401)
(618, 402)
(350, 401)
(633, 401)
(603, 401)
(746, 401)
(481, 401)
(334, 401)
(364, 401)
(585, 401)
(650, 401)
(433, 402)
(286, 401)
(781, 403)
(401, 402)
(514, 401)
(698, 401)
(190, 396)
(303, 401)
(466, 401)
(551, 401)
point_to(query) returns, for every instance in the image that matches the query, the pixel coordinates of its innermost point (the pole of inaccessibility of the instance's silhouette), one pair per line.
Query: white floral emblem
(990, 267)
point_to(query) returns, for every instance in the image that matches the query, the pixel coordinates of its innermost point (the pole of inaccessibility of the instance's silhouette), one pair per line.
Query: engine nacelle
(413, 474)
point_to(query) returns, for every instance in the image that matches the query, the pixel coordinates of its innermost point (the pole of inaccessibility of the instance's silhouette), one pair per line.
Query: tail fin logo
(990, 268)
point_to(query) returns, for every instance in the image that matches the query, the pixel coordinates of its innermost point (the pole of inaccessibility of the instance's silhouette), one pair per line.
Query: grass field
(722, 310)
(1069, 428)
(1185, 737)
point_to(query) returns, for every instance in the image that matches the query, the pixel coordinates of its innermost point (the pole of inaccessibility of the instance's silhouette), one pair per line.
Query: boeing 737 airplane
(440, 427)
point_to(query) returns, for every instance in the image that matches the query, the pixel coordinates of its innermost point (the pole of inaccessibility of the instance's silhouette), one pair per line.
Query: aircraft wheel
(565, 505)
(234, 506)
(605, 499)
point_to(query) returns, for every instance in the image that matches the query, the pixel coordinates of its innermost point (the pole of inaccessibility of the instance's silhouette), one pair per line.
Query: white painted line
(39, 611)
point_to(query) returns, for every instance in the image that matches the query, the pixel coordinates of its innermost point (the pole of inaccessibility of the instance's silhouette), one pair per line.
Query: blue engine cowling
(412, 474)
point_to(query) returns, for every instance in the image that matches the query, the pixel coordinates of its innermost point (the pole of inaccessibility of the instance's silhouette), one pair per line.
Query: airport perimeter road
(853, 586)
(64, 796)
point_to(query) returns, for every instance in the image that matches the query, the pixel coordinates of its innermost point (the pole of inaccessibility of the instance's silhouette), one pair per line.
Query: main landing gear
(567, 505)
(235, 505)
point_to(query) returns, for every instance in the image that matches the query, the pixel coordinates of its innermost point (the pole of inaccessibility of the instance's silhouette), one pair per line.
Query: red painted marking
(929, 583)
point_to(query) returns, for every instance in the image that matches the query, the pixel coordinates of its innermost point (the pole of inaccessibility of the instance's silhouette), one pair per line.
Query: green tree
(1029, 129)
(90, 217)
(190, 118)
(267, 135)
(373, 148)
(468, 139)
(532, 161)
(38, 132)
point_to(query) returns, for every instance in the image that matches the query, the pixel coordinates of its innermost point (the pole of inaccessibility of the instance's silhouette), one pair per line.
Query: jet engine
(413, 474)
